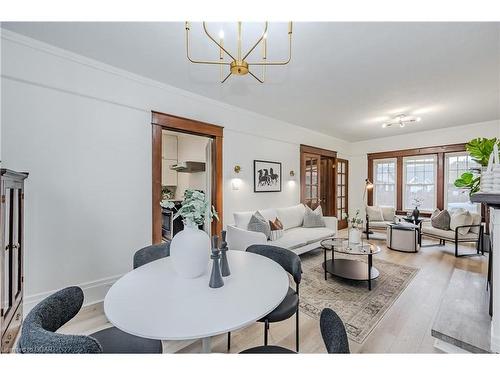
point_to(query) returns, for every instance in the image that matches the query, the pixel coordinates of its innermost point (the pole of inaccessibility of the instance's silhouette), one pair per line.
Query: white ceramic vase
(190, 251)
(354, 236)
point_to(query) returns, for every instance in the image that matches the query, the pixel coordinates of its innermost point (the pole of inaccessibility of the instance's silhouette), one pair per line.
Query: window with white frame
(384, 182)
(419, 182)
(456, 164)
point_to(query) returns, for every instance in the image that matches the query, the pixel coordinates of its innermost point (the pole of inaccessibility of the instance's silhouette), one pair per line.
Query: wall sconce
(236, 180)
(292, 175)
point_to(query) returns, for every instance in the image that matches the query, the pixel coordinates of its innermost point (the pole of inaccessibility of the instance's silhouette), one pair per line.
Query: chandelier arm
(213, 40)
(277, 62)
(224, 80)
(257, 43)
(200, 61)
(254, 76)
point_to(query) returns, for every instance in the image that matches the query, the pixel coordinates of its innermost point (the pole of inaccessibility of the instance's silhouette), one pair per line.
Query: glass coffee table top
(342, 245)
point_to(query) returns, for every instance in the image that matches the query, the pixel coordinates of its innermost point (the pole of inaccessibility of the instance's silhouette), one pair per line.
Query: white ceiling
(344, 79)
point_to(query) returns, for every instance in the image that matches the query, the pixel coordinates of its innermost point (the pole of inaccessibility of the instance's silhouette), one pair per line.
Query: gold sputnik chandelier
(239, 65)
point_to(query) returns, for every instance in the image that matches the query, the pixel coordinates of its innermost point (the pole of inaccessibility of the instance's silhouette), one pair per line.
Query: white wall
(359, 163)
(82, 130)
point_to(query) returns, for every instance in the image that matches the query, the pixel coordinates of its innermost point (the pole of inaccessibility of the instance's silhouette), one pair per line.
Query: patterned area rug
(359, 308)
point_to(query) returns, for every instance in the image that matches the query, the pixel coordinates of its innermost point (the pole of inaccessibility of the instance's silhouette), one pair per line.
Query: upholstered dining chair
(290, 305)
(332, 331)
(151, 253)
(38, 334)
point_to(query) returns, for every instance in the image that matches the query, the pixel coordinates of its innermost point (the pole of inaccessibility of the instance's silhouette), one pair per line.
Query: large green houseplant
(479, 149)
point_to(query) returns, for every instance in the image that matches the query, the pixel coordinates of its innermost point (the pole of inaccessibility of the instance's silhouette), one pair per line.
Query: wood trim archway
(162, 121)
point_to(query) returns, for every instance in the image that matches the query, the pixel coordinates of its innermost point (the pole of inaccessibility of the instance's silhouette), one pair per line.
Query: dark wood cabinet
(11, 255)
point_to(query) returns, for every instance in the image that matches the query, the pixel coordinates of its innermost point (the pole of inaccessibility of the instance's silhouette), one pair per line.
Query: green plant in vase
(480, 150)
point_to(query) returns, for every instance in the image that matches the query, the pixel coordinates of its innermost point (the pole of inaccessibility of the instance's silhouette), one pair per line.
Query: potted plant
(190, 248)
(354, 224)
(480, 150)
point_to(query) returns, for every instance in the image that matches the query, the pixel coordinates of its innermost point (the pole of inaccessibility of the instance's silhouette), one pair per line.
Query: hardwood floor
(405, 328)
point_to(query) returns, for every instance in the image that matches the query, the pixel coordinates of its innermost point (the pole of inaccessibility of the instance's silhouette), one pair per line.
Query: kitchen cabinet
(169, 147)
(168, 176)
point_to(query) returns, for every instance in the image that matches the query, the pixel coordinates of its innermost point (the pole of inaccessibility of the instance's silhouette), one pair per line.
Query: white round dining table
(152, 301)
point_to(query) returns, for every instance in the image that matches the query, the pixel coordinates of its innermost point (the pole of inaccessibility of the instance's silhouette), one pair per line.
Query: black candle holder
(216, 280)
(225, 271)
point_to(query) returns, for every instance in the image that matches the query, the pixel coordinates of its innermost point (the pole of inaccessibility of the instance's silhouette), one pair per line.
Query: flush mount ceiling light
(237, 62)
(401, 120)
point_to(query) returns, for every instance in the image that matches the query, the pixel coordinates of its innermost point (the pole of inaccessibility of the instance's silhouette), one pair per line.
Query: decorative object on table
(480, 149)
(267, 176)
(224, 264)
(354, 223)
(490, 176)
(216, 280)
(190, 247)
(313, 219)
(417, 202)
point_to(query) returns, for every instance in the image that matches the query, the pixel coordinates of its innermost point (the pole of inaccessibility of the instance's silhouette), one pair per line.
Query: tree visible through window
(419, 182)
(384, 182)
(455, 165)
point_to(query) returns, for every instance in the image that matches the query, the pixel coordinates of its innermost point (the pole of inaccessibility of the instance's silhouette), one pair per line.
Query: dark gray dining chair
(151, 253)
(38, 334)
(290, 305)
(333, 332)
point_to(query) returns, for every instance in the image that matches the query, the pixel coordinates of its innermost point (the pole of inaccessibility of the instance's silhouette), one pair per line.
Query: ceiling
(345, 79)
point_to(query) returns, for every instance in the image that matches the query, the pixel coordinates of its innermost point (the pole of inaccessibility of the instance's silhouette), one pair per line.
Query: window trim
(395, 160)
(433, 156)
(439, 151)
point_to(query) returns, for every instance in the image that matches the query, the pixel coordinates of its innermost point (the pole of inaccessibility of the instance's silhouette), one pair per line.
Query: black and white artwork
(267, 176)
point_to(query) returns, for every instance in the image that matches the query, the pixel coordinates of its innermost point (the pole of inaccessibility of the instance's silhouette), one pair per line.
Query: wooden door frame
(162, 121)
(322, 153)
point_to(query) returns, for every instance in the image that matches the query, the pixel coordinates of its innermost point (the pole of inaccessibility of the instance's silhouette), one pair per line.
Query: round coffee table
(350, 269)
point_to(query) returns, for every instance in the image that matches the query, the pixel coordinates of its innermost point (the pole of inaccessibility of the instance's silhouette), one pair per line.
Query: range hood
(189, 167)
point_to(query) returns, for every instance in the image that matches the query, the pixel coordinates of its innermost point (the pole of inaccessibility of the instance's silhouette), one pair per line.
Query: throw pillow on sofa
(441, 219)
(314, 219)
(258, 223)
(461, 217)
(374, 213)
(276, 224)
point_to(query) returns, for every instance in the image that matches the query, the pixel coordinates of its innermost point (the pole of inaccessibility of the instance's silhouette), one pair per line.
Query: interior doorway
(167, 130)
(342, 191)
(318, 178)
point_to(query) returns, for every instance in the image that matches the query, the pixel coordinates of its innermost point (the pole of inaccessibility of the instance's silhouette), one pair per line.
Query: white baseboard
(94, 292)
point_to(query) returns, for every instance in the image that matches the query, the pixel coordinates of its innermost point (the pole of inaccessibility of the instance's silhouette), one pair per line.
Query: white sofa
(295, 236)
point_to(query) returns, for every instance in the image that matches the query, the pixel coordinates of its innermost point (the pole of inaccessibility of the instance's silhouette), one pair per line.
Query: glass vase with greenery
(479, 149)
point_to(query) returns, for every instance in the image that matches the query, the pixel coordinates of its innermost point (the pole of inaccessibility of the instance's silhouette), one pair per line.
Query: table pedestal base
(351, 269)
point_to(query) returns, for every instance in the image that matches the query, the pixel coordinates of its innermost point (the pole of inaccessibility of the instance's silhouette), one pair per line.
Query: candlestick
(216, 280)
(225, 271)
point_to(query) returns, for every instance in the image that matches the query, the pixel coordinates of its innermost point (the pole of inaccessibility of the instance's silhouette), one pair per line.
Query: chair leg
(456, 248)
(229, 341)
(297, 330)
(266, 329)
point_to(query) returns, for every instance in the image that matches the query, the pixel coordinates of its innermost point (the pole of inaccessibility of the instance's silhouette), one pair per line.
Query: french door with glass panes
(342, 193)
(310, 177)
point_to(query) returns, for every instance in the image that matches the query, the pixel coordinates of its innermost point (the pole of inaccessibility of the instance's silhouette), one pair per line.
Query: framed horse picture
(266, 176)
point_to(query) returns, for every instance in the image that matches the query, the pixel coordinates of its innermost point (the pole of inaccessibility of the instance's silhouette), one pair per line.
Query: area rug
(359, 308)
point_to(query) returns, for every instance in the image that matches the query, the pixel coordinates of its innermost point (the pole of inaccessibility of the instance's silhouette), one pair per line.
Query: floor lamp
(368, 186)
